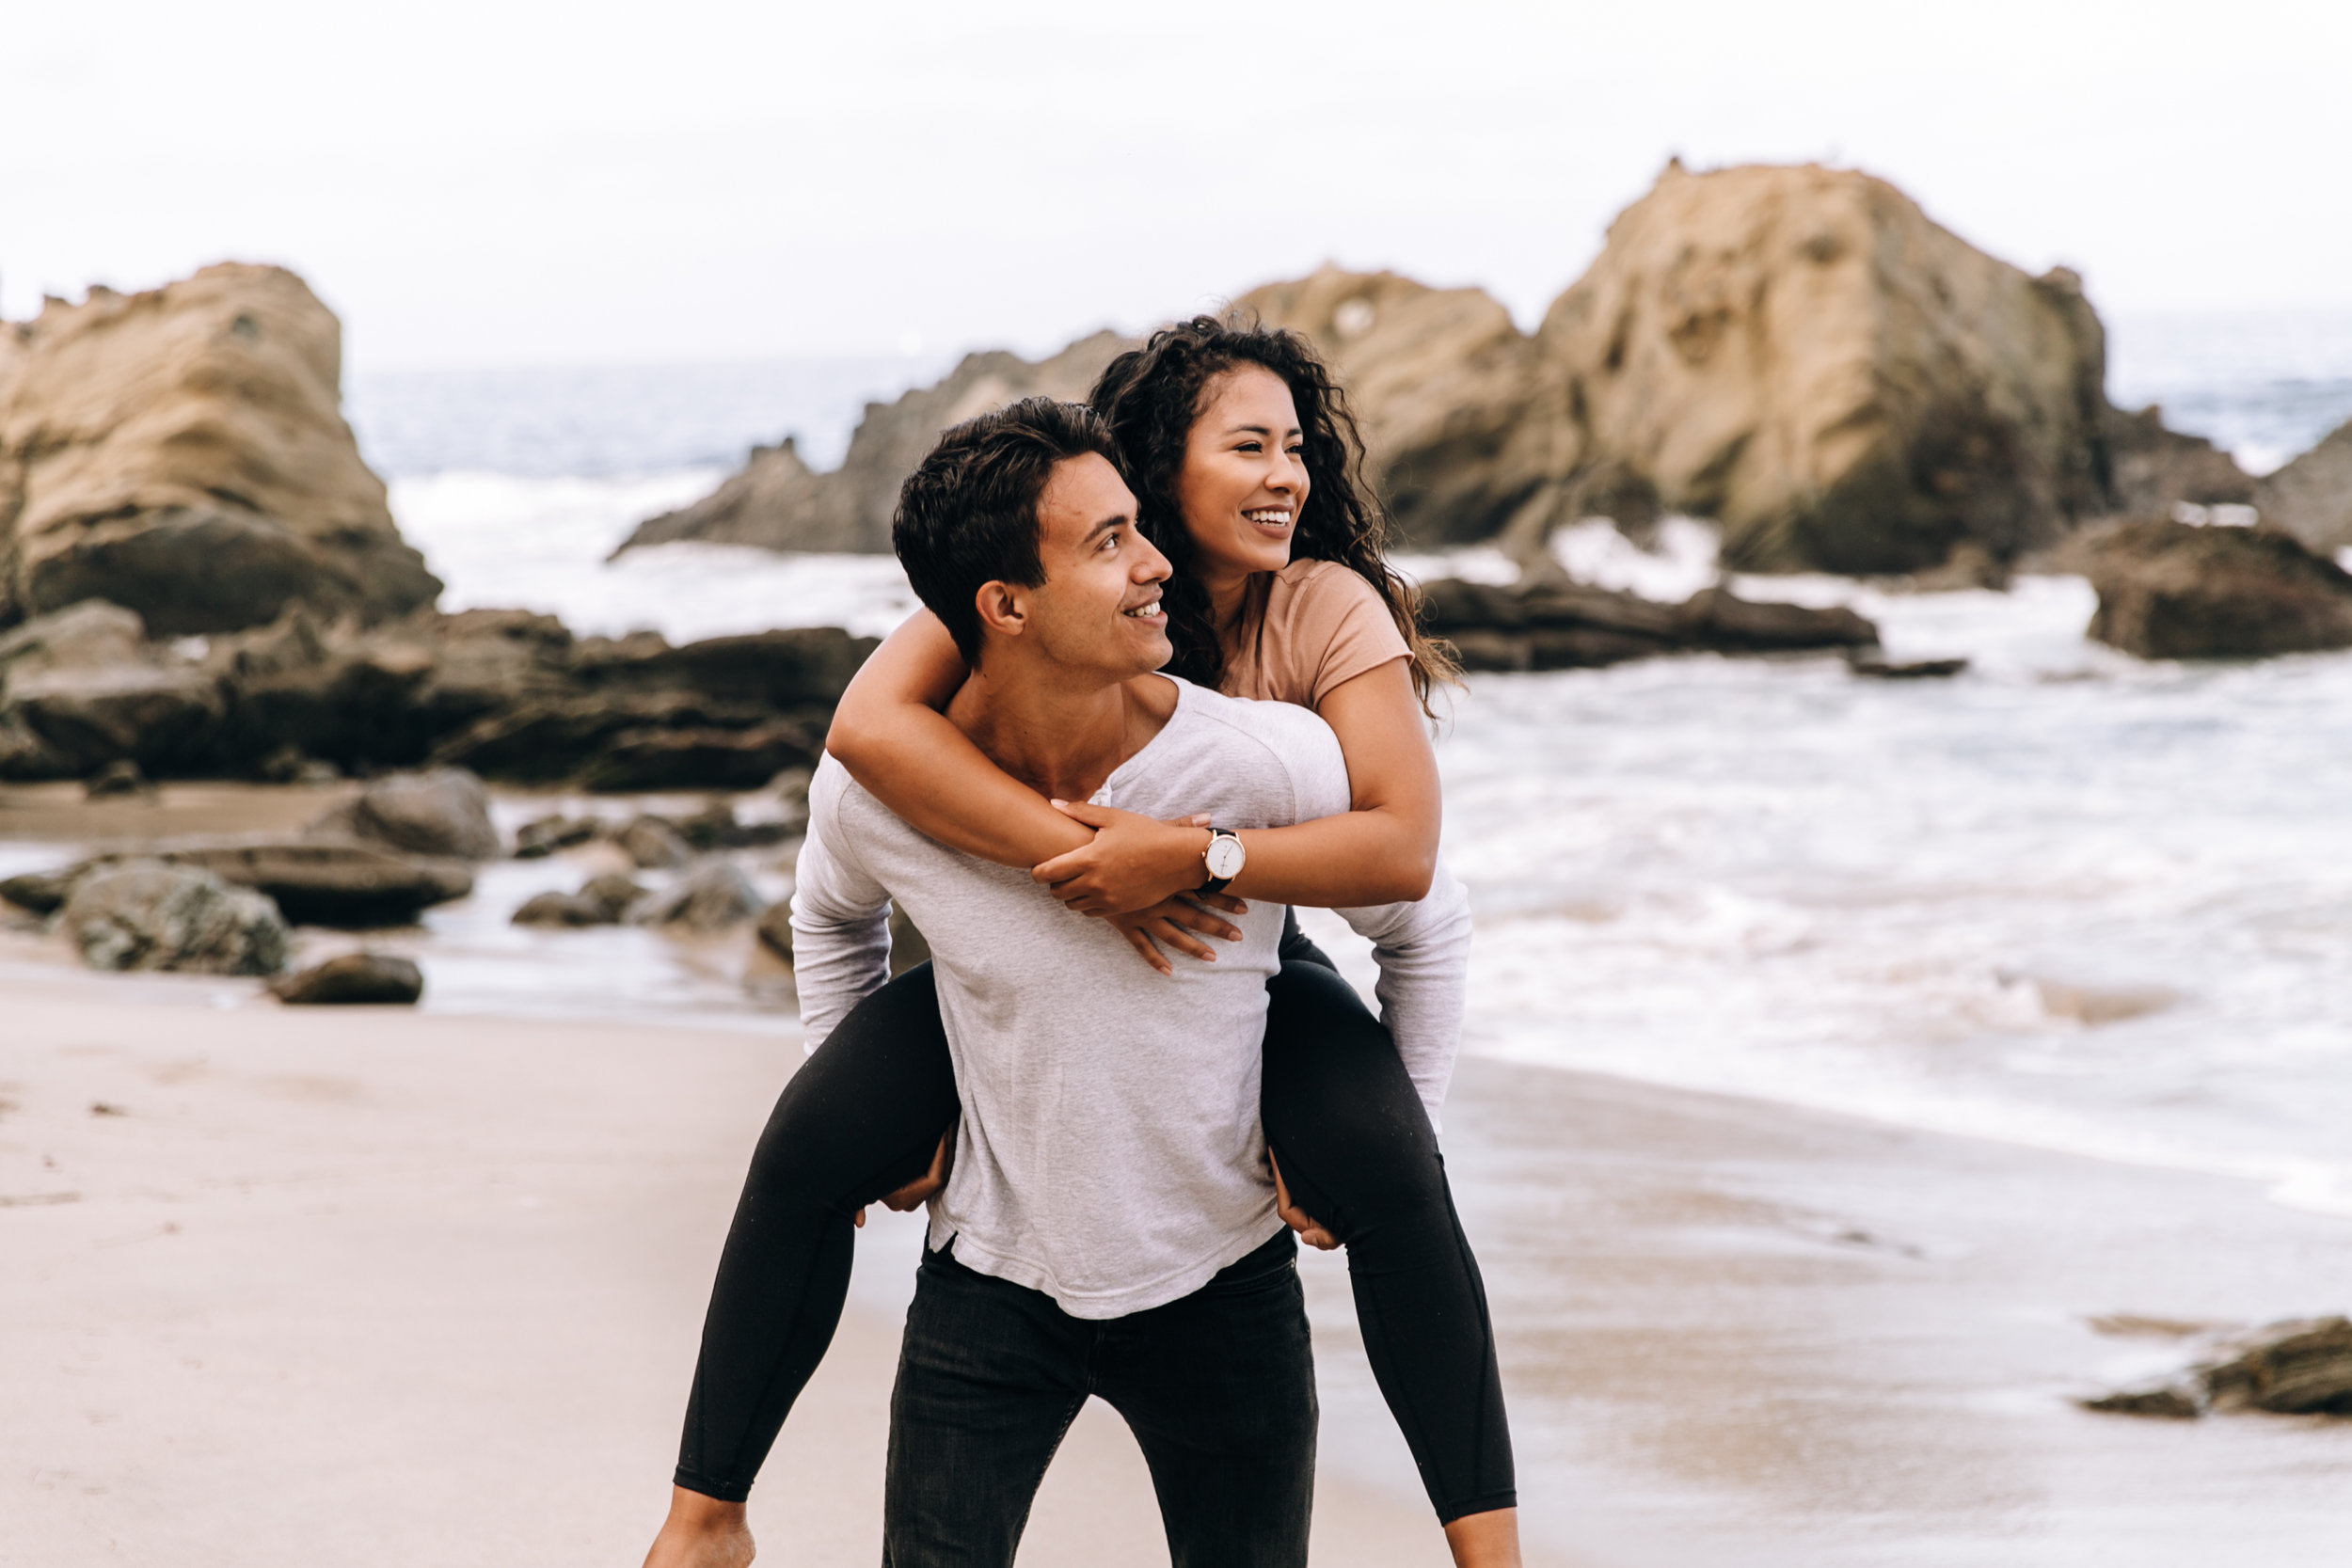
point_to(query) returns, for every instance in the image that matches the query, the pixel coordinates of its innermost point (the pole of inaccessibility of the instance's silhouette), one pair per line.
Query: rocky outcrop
(1801, 356)
(776, 503)
(505, 694)
(83, 687)
(1451, 395)
(2169, 591)
(363, 979)
(2312, 496)
(182, 452)
(327, 881)
(2298, 1368)
(148, 914)
(1548, 622)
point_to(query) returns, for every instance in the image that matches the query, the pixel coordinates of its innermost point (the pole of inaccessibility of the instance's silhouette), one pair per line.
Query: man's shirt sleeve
(840, 916)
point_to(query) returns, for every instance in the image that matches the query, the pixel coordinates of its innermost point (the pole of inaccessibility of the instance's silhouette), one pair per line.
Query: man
(1109, 1227)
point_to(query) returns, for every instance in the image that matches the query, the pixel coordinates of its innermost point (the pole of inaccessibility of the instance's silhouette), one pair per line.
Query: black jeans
(864, 1113)
(1219, 1389)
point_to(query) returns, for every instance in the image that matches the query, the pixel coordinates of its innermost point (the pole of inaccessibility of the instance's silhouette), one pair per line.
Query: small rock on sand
(353, 978)
(711, 897)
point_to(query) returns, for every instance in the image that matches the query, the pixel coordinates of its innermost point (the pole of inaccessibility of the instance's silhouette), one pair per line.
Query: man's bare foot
(701, 1532)
(1488, 1540)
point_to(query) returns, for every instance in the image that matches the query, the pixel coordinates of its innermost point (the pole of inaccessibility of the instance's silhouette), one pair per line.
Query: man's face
(1099, 606)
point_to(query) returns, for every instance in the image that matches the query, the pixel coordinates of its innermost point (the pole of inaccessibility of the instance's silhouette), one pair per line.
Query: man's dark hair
(967, 515)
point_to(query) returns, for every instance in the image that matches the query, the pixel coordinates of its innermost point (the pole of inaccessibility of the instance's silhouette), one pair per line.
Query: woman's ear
(1001, 608)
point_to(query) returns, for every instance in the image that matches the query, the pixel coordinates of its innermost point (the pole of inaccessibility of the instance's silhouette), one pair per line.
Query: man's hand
(1134, 862)
(1296, 1217)
(1173, 920)
(923, 1188)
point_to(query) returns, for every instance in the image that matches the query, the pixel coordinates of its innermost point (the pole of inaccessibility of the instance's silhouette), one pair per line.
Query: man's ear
(1003, 608)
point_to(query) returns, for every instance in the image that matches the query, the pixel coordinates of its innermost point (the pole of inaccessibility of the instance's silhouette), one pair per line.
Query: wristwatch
(1224, 856)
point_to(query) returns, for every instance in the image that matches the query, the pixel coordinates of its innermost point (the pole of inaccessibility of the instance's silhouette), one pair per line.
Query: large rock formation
(182, 452)
(1801, 355)
(2169, 591)
(2312, 496)
(2154, 470)
(776, 502)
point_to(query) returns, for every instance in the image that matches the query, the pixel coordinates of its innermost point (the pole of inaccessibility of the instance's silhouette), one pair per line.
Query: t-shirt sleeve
(1339, 629)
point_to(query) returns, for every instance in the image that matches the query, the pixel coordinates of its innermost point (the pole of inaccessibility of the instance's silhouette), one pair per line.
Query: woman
(1227, 433)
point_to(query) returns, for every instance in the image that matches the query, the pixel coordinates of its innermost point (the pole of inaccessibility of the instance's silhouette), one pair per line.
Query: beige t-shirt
(1323, 626)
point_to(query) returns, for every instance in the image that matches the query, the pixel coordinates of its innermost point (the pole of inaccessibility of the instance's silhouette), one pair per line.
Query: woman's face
(1244, 483)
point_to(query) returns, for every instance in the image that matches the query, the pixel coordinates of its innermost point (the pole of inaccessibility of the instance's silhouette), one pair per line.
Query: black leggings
(864, 1114)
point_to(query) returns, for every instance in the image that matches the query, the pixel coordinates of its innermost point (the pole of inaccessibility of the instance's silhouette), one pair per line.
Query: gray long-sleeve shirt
(1110, 1153)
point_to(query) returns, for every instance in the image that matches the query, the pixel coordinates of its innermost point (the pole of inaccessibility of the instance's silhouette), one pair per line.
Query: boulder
(83, 687)
(651, 842)
(1450, 394)
(601, 901)
(543, 836)
(445, 812)
(713, 897)
(353, 978)
(148, 914)
(2170, 591)
(2312, 496)
(1801, 355)
(776, 503)
(2302, 1367)
(626, 739)
(182, 452)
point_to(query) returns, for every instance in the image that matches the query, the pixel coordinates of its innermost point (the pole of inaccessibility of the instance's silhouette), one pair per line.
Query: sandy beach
(375, 1287)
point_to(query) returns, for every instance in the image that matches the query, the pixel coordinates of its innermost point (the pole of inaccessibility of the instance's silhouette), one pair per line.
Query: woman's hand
(1133, 864)
(1173, 920)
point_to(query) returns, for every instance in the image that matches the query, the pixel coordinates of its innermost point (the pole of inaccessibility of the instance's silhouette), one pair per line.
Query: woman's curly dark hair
(1151, 397)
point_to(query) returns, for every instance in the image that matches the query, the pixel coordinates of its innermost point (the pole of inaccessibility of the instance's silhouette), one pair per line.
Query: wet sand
(370, 1288)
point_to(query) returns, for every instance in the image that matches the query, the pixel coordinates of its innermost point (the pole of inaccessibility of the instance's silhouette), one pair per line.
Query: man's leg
(990, 1376)
(1219, 1389)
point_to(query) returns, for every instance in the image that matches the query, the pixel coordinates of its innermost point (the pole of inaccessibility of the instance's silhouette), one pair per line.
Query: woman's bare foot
(1488, 1540)
(701, 1532)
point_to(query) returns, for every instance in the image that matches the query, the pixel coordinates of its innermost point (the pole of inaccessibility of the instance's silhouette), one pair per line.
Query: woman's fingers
(1181, 913)
(1142, 943)
(1183, 941)
(1225, 901)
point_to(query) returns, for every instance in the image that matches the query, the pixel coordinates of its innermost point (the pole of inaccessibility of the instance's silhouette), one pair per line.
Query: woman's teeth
(1272, 516)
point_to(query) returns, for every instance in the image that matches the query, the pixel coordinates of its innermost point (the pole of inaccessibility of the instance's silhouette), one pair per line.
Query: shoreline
(372, 1278)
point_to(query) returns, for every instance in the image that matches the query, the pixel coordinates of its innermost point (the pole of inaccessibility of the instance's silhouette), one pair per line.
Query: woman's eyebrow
(1257, 430)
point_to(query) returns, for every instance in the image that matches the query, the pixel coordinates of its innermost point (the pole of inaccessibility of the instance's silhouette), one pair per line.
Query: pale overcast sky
(479, 182)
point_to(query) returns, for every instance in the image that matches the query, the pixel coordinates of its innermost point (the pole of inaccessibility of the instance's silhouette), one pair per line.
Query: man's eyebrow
(1118, 520)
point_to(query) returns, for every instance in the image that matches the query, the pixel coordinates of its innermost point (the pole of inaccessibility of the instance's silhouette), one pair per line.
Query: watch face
(1224, 857)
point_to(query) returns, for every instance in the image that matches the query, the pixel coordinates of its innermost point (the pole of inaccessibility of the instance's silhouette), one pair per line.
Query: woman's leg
(1358, 1154)
(860, 1119)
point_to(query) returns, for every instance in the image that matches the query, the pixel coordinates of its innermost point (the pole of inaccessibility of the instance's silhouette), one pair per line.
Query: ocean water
(2066, 898)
